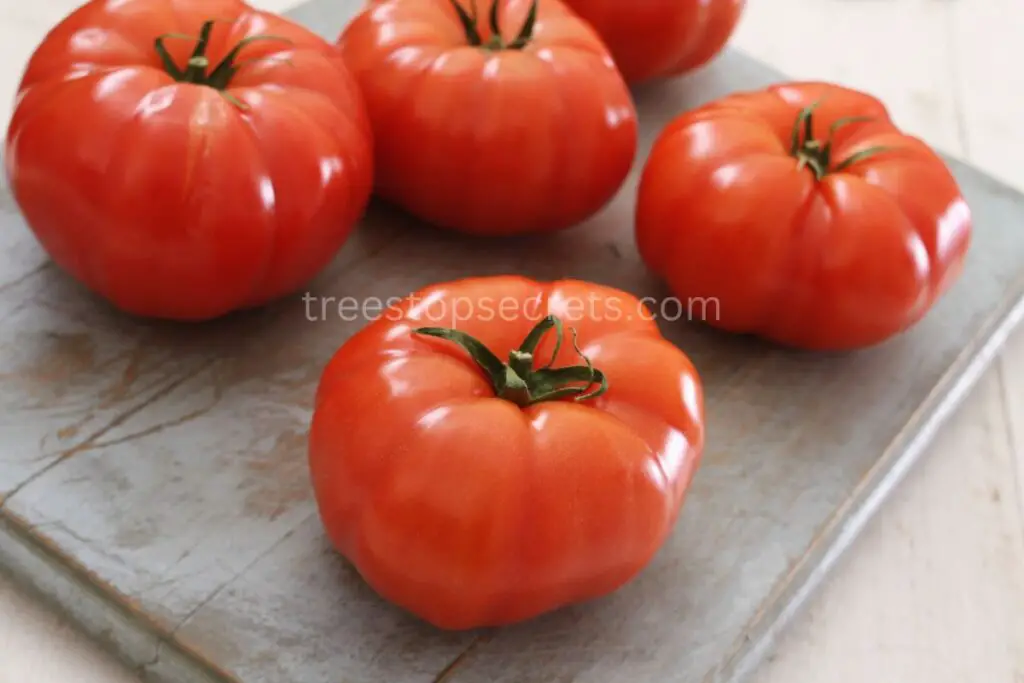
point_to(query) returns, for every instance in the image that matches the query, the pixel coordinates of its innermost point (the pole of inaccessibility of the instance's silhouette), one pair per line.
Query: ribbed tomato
(492, 449)
(805, 214)
(182, 167)
(515, 124)
(652, 39)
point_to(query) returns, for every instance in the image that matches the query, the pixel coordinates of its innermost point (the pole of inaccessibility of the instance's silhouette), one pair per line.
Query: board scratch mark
(114, 423)
(155, 429)
(27, 276)
(448, 671)
(63, 528)
(241, 572)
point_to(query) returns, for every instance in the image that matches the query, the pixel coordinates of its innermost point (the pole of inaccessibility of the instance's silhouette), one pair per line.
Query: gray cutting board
(156, 474)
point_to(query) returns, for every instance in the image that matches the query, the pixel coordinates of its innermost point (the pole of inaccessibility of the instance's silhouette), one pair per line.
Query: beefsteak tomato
(652, 39)
(182, 168)
(515, 125)
(475, 491)
(805, 213)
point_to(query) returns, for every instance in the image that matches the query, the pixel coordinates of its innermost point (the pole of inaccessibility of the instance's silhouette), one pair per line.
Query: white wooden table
(933, 592)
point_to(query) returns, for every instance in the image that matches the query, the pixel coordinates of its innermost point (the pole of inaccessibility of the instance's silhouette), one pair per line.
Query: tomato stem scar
(470, 24)
(817, 155)
(518, 381)
(197, 68)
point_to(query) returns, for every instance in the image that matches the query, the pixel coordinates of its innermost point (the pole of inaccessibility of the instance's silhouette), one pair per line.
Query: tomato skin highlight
(179, 200)
(656, 39)
(491, 142)
(468, 510)
(726, 212)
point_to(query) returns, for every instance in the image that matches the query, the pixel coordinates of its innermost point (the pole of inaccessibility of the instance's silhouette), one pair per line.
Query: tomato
(182, 168)
(475, 491)
(804, 214)
(521, 129)
(652, 39)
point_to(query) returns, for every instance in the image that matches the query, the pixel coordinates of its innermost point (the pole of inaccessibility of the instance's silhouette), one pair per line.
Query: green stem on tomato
(518, 381)
(470, 26)
(197, 69)
(817, 155)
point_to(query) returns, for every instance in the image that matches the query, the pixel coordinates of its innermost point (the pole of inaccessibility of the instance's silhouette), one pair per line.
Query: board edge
(844, 527)
(97, 610)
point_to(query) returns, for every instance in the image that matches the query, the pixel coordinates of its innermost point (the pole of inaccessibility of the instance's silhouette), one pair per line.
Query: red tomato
(658, 38)
(527, 130)
(476, 491)
(824, 228)
(219, 170)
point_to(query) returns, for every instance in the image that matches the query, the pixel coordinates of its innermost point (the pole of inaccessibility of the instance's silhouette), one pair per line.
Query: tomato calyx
(518, 381)
(197, 70)
(470, 25)
(817, 155)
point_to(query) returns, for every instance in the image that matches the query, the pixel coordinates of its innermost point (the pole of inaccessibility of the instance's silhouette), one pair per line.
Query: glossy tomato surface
(835, 238)
(490, 138)
(652, 39)
(468, 506)
(187, 193)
